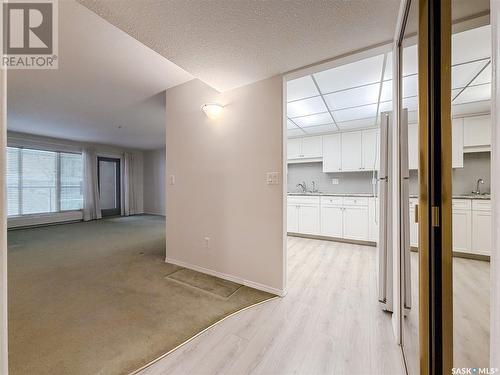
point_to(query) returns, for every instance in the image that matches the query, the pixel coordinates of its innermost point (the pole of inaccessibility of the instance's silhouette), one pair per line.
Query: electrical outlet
(272, 178)
(335, 181)
(206, 242)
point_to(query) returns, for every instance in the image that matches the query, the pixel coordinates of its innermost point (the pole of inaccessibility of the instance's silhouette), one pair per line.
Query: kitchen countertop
(319, 194)
(480, 197)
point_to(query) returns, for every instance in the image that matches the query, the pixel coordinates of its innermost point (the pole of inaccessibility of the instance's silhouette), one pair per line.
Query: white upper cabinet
(351, 151)
(370, 149)
(304, 148)
(477, 133)
(332, 154)
(457, 143)
(312, 147)
(294, 148)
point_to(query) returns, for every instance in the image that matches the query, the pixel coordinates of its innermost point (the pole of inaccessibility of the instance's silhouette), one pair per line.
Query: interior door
(109, 186)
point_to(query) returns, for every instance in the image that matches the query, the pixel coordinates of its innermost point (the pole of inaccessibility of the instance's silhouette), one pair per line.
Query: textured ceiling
(229, 43)
(109, 87)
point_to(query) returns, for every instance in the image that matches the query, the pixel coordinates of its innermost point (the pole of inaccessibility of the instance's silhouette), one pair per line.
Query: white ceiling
(352, 96)
(228, 43)
(106, 80)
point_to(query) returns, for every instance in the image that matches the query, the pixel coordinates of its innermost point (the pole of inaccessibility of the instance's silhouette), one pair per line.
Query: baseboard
(234, 279)
(333, 239)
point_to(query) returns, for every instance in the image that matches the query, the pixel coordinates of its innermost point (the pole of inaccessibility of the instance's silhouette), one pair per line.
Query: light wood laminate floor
(330, 322)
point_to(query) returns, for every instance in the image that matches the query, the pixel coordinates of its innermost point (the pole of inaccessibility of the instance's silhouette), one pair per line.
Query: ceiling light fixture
(212, 110)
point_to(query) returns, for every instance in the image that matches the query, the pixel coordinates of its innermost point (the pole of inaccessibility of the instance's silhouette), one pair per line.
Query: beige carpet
(98, 298)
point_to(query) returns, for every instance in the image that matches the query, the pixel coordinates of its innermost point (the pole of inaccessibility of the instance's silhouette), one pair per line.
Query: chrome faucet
(478, 189)
(303, 186)
(314, 188)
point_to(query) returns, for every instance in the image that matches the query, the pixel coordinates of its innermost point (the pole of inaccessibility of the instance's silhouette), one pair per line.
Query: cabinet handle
(416, 213)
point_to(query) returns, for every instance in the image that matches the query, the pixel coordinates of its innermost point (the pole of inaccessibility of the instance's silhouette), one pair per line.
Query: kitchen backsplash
(476, 165)
(349, 182)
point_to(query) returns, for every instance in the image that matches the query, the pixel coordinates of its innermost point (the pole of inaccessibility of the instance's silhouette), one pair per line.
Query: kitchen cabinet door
(373, 212)
(332, 157)
(370, 149)
(292, 218)
(312, 147)
(351, 151)
(309, 219)
(331, 221)
(413, 146)
(355, 223)
(462, 228)
(294, 148)
(413, 224)
(481, 232)
(477, 131)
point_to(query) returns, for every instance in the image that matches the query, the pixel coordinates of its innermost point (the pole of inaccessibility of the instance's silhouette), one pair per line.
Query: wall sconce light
(212, 110)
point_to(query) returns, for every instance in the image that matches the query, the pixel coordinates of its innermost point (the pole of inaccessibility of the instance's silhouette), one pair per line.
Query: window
(43, 181)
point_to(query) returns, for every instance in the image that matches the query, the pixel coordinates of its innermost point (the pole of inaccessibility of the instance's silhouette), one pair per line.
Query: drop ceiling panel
(473, 44)
(321, 129)
(410, 86)
(353, 97)
(313, 120)
(359, 73)
(474, 94)
(355, 113)
(410, 60)
(357, 124)
(484, 76)
(410, 103)
(386, 93)
(385, 106)
(301, 88)
(461, 75)
(388, 67)
(290, 125)
(306, 107)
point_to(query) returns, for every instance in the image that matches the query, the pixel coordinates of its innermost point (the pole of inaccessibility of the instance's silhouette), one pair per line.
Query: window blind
(41, 181)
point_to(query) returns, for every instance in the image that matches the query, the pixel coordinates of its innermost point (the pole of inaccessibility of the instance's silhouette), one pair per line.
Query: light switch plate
(273, 178)
(171, 179)
(335, 181)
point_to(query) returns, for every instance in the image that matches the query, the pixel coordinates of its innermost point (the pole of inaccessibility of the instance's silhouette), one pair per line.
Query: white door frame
(495, 188)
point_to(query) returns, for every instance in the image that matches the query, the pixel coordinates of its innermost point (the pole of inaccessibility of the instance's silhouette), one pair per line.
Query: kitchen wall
(349, 182)
(154, 182)
(476, 165)
(220, 190)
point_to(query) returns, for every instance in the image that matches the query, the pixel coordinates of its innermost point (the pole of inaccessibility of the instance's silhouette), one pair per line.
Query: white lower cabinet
(413, 224)
(356, 222)
(331, 221)
(309, 219)
(481, 227)
(373, 219)
(303, 214)
(462, 225)
(292, 218)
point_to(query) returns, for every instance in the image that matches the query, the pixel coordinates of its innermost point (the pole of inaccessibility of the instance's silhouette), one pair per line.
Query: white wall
(154, 182)
(220, 188)
(495, 189)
